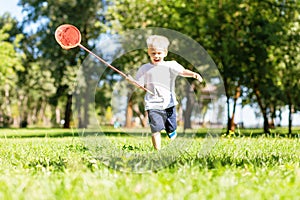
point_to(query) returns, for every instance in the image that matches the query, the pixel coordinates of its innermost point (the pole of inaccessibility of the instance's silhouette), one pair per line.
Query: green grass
(110, 131)
(65, 168)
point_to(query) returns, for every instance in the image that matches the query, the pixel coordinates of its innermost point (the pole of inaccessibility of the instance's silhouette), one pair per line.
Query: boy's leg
(171, 123)
(156, 121)
(156, 140)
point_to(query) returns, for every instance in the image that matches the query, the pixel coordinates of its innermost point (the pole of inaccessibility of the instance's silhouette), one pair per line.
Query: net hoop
(67, 36)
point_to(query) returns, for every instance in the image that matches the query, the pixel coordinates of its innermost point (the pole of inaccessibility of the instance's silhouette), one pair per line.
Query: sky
(11, 7)
(246, 114)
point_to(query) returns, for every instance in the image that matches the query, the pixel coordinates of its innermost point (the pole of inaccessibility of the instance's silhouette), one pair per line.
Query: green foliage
(43, 50)
(10, 66)
(240, 36)
(10, 60)
(255, 45)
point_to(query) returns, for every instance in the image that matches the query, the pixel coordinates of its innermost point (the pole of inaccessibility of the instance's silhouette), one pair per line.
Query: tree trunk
(290, 104)
(290, 118)
(23, 100)
(232, 125)
(78, 105)
(129, 114)
(7, 100)
(86, 120)
(41, 113)
(189, 106)
(82, 107)
(228, 115)
(68, 111)
(273, 116)
(141, 116)
(263, 111)
(236, 96)
(228, 106)
(57, 115)
(266, 123)
(145, 120)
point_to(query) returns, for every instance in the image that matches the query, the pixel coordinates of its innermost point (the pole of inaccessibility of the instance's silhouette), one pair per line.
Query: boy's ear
(166, 52)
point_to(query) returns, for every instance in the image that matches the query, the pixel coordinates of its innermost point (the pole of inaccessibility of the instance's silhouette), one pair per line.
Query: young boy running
(159, 77)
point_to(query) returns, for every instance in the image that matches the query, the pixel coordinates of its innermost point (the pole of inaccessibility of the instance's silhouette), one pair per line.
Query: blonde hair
(157, 42)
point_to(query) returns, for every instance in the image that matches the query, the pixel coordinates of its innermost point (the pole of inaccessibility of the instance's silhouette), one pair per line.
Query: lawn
(233, 167)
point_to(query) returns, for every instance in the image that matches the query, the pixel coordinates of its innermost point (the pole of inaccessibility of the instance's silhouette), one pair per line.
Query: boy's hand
(198, 77)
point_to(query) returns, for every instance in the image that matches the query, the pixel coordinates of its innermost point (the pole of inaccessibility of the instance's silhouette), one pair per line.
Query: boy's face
(157, 55)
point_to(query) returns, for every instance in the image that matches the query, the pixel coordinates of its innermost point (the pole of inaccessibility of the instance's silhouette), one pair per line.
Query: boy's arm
(189, 73)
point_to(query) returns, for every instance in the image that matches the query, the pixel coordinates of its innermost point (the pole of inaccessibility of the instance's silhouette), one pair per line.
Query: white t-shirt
(160, 79)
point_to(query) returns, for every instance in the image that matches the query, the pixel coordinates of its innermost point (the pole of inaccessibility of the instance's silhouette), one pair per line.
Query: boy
(159, 77)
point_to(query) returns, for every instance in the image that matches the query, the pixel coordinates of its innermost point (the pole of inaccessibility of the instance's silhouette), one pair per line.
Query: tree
(286, 57)
(10, 65)
(266, 29)
(133, 14)
(127, 63)
(48, 15)
(225, 38)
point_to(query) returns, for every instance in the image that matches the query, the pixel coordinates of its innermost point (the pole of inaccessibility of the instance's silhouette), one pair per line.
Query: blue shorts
(162, 120)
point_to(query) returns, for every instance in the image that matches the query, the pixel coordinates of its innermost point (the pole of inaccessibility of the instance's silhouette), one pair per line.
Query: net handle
(117, 70)
(63, 28)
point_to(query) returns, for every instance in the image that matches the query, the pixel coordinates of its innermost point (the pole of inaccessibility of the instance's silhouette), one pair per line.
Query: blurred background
(254, 44)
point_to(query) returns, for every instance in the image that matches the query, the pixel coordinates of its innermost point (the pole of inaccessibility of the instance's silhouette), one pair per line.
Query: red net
(68, 36)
